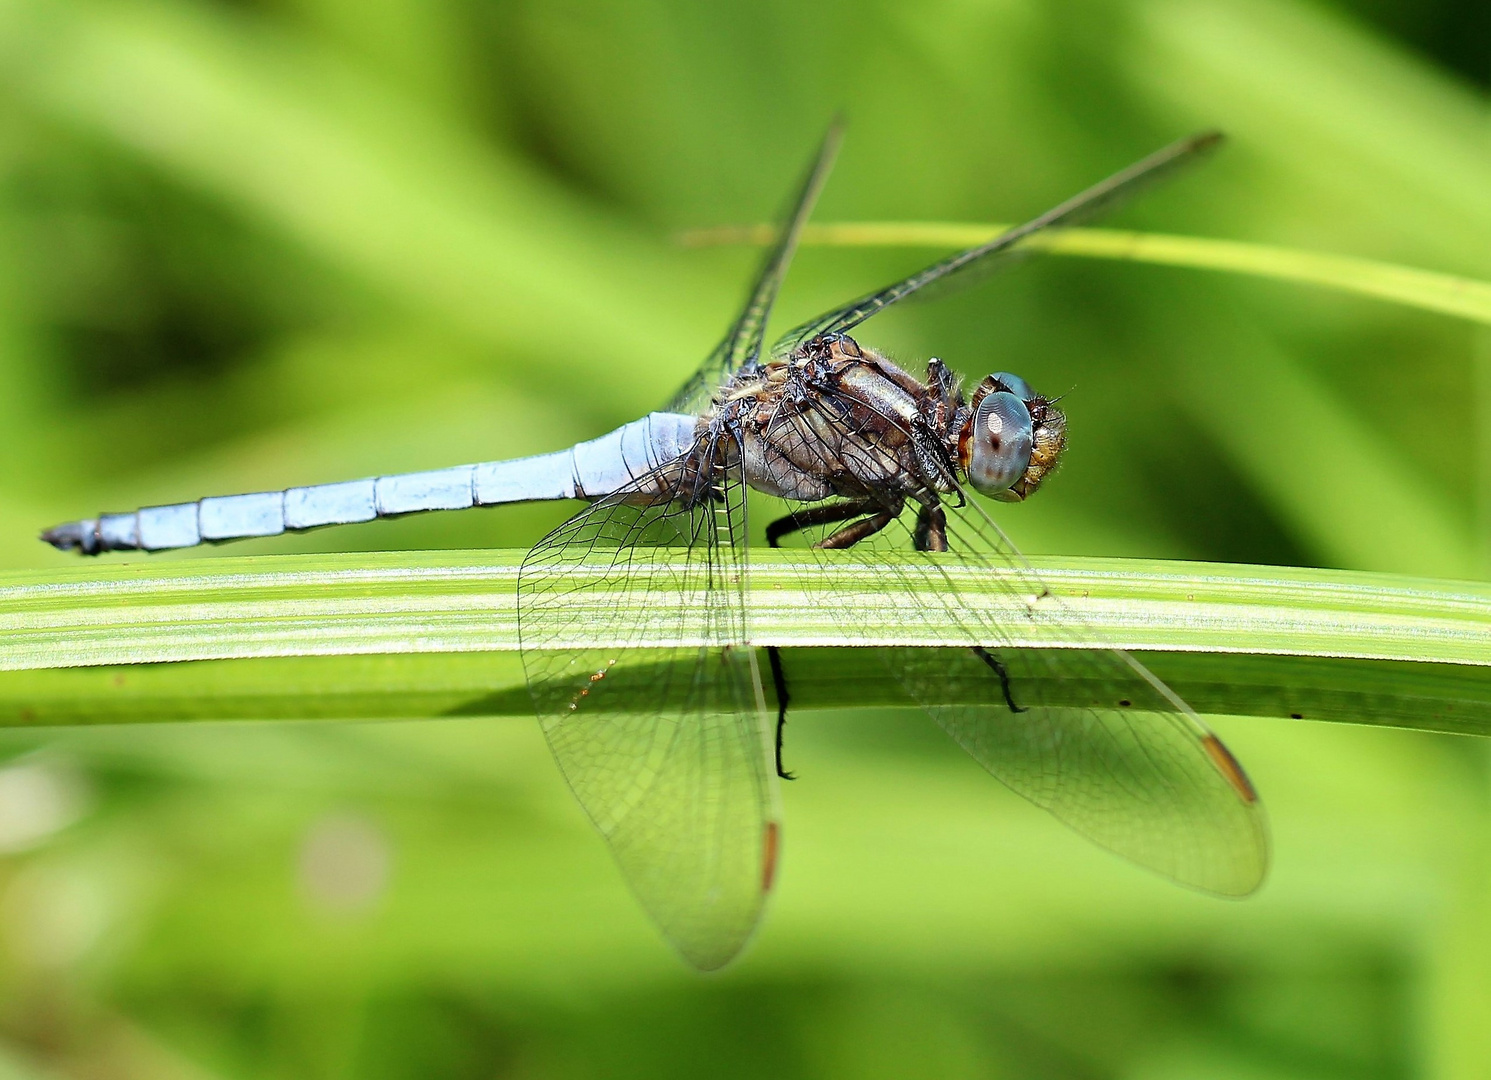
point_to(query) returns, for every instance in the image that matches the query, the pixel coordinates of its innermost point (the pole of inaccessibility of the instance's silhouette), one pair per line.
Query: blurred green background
(257, 243)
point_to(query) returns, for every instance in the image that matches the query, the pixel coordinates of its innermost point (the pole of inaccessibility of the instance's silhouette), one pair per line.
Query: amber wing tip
(1230, 768)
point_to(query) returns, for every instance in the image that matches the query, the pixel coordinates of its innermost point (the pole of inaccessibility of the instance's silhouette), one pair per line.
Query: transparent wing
(975, 262)
(1086, 733)
(665, 745)
(742, 344)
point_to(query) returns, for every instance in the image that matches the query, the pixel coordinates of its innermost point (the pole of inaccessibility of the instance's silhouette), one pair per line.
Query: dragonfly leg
(786, 526)
(827, 514)
(795, 522)
(779, 684)
(931, 535)
(1004, 676)
(931, 528)
(856, 531)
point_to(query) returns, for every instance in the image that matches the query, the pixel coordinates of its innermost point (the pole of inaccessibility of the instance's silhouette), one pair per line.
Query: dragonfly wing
(742, 344)
(1089, 734)
(974, 263)
(633, 629)
(1086, 735)
(1078, 728)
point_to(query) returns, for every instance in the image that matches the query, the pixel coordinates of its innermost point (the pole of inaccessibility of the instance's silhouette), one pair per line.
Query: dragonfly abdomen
(584, 471)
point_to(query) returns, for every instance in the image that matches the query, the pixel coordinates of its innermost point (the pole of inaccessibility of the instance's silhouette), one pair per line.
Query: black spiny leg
(931, 529)
(779, 683)
(875, 517)
(1004, 676)
(931, 535)
(828, 514)
(856, 531)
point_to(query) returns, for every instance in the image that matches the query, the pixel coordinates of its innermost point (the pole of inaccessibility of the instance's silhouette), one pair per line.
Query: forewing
(976, 262)
(741, 346)
(1085, 732)
(633, 629)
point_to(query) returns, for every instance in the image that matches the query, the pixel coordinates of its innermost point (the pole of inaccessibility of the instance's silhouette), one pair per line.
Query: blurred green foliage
(254, 244)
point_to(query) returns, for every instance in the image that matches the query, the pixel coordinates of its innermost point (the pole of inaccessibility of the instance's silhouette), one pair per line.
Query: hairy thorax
(833, 420)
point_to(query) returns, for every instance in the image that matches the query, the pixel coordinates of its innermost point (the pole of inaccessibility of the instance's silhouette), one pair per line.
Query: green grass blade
(433, 633)
(1428, 290)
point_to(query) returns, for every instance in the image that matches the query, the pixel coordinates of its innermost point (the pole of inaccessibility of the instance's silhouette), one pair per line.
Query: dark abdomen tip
(79, 536)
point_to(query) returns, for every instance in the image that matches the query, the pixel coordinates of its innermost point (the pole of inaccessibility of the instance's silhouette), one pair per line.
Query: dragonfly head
(1012, 440)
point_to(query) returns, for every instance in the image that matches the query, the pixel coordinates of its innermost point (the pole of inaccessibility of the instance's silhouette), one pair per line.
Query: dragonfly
(635, 628)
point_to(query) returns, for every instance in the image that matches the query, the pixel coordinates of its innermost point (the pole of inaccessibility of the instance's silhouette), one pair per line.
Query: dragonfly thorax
(837, 419)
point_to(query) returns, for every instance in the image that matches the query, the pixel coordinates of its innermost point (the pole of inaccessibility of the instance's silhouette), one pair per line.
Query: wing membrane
(1126, 764)
(992, 255)
(632, 622)
(1086, 733)
(632, 618)
(741, 346)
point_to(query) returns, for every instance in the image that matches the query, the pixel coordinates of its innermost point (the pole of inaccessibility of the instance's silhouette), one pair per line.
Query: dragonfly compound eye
(1014, 384)
(1003, 438)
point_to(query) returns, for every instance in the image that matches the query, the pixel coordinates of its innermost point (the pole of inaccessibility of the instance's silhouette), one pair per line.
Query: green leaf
(1447, 294)
(421, 634)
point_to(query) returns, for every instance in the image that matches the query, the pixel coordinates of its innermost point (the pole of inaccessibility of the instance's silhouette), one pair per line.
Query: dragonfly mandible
(659, 724)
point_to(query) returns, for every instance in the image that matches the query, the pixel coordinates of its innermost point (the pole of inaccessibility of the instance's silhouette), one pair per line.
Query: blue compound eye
(1015, 385)
(1002, 439)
